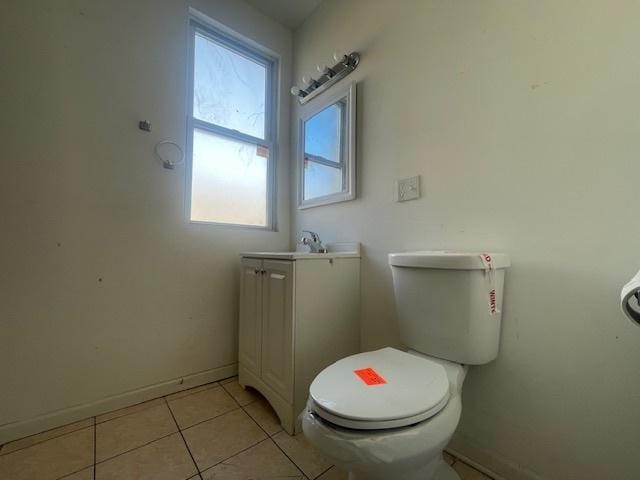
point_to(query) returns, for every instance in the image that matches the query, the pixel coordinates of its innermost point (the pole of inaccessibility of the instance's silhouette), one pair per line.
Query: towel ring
(168, 163)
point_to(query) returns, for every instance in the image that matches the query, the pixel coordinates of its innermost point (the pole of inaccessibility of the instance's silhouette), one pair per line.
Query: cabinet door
(277, 327)
(250, 329)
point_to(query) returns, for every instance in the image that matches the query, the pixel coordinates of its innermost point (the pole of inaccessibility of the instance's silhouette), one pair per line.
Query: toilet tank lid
(444, 259)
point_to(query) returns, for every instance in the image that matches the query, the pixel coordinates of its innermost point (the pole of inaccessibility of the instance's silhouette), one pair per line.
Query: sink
(334, 250)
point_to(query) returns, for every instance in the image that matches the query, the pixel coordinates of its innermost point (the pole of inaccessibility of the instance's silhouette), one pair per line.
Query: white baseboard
(487, 462)
(41, 423)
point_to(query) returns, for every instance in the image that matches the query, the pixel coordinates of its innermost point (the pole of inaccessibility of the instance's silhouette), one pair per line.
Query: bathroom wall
(522, 118)
(107, 294)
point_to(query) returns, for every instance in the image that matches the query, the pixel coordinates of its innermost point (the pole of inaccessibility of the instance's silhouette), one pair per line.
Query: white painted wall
(105, 288)
(522, 118)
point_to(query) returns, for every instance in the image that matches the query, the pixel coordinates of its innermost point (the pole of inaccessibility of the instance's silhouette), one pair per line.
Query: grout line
(138, 447)
(99, 422)
(287, 455)
(240, 407)
(236, 400)
(182, 436)
(235, 454)
(67, 475)
(323, 472)
(47, 440)
(270, 437)
(42, 441)
(203, 421)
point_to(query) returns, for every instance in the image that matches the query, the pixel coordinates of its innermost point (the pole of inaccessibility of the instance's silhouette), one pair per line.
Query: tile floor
(215, 432)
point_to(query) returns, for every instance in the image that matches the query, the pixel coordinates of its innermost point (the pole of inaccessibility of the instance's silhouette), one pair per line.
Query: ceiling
(290, 13)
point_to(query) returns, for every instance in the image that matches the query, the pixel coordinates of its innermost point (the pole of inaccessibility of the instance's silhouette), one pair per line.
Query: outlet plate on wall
(408, 189)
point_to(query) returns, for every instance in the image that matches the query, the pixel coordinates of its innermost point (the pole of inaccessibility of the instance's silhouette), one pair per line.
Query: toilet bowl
(401, 427)
(388, 414)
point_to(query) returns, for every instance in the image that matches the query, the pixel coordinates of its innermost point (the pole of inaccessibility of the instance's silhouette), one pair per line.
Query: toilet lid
(385, 388)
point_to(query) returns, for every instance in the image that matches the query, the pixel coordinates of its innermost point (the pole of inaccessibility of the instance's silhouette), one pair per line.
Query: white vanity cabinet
(299, 312)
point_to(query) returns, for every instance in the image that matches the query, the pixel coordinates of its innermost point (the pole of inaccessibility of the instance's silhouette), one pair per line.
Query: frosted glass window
(231, 131)
(229, 181)
(229, 89)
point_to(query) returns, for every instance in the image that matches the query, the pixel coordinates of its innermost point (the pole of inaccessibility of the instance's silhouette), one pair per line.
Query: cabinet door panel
(277, 327)
(250, 329)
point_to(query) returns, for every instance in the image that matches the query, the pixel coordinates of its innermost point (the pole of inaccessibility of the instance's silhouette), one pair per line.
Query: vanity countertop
(334, 250)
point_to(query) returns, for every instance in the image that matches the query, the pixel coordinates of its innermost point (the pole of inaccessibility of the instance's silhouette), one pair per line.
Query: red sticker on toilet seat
(370, 376)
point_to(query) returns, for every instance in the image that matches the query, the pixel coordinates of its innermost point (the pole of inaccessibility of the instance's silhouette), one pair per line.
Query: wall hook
(165, 156)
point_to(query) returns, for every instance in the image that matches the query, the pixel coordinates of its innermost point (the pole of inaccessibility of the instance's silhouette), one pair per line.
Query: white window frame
(270, 62)
(346, 92)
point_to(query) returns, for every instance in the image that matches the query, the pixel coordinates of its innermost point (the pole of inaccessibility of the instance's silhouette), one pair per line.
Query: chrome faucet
(312, 239)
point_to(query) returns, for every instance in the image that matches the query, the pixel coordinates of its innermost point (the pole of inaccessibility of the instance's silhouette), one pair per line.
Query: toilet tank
(449, 304)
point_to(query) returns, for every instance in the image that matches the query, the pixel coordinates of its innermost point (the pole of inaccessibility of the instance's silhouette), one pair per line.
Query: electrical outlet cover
(408, 189)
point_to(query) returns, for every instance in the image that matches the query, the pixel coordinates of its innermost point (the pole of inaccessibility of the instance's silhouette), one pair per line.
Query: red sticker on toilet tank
(370, 376)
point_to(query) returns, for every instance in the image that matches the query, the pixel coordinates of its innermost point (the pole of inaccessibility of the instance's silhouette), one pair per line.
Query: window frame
(270, 62)
(309, 110)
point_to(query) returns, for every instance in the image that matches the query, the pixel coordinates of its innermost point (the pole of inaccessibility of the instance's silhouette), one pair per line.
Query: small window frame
(270, 62)
(346, 93)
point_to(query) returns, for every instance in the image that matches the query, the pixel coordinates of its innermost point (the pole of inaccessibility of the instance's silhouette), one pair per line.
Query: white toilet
(388, 414)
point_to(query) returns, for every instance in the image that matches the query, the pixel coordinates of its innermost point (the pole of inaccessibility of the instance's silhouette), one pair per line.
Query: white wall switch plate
(408, 189)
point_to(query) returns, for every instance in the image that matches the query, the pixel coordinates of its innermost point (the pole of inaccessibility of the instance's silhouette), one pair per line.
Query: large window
(231, 131)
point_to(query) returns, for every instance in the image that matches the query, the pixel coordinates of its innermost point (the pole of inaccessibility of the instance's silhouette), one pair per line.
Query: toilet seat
(382, 389)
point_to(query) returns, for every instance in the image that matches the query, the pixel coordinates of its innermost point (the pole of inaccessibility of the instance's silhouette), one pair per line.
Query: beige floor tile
(448, 458)
(309, 460)
(241, 395)
(128, 410)
(51, 459)
(334, 474)
(191, 391)
(134, 430)
(467, 472)
(41, 437)
(164, 459)
(228, 380)
(201, 406)
(86, 474)
(262, 461)
(264, 415)
(217, 439)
